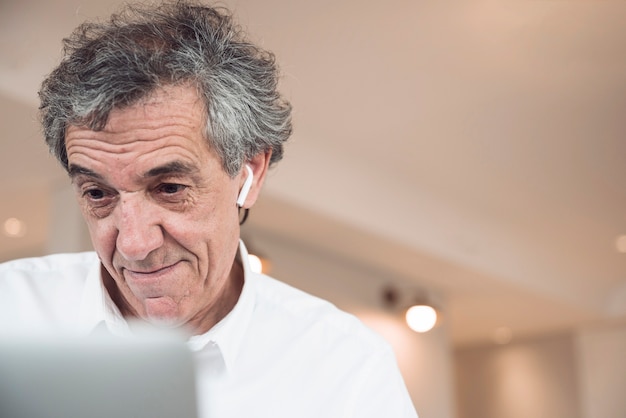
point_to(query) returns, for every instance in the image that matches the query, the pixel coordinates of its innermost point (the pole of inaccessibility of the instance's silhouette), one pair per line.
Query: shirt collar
(98, 308)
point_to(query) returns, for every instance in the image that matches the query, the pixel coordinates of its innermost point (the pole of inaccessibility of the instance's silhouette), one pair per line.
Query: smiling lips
(150, 272)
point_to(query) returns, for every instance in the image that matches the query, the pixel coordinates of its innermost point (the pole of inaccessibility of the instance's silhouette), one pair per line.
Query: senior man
(167, 119)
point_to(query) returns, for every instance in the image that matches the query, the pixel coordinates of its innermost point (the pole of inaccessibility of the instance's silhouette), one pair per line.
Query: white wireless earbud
(246, 187)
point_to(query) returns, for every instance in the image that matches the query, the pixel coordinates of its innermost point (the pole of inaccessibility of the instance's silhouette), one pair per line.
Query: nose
(138, 230)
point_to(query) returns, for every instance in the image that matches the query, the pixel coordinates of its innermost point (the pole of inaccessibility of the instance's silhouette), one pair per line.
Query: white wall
(533, 378)
(579, 374)
(602, 371)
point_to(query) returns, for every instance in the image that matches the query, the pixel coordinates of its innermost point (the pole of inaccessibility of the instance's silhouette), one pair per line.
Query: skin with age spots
(161, 210)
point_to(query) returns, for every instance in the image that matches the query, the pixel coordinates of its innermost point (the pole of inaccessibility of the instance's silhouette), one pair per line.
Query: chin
(162, 313)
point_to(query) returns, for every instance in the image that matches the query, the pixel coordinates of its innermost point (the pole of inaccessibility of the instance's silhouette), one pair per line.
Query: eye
(94, 194)
(99, 201)
(171, 188)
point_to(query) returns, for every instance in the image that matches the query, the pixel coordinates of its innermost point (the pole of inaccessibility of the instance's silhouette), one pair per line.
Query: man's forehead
(137, 131)
(163, 134)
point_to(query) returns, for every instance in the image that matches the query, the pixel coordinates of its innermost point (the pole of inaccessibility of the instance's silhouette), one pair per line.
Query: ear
(259, 165)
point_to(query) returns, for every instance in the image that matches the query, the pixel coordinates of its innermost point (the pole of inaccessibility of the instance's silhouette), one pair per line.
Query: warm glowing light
(256, 265)
(421, 318)
(14, 228)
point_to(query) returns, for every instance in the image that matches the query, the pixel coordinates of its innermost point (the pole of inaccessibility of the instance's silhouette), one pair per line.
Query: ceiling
(476, 148)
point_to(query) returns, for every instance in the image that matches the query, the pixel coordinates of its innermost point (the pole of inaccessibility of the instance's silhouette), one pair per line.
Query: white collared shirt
(279, 353)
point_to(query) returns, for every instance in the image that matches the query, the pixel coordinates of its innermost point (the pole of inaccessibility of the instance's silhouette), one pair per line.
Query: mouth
(151, 273)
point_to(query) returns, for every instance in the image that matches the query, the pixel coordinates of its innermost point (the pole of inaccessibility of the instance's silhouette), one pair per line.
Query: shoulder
(44, 293)
(47, 277)
(311, 317)
(311, 346)
(50, 266)
(49, 262)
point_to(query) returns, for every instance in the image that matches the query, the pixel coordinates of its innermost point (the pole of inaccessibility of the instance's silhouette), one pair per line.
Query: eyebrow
(76, 170)
(171, 168)
(176, 168)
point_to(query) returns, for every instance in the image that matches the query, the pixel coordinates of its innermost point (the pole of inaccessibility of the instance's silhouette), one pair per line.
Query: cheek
(103, 239)
(207, 222)
(210, 238)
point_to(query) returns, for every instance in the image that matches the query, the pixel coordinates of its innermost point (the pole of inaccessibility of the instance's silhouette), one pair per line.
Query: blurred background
(470, 155)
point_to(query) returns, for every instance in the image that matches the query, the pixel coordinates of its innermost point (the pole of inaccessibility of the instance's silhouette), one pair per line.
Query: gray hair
(117, 63)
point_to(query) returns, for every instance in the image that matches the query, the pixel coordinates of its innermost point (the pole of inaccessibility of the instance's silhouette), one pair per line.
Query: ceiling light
(419, 314)
(421, 318)
(14, 228)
